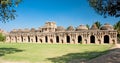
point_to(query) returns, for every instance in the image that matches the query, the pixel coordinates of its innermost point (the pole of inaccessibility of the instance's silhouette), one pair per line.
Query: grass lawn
(49, 53)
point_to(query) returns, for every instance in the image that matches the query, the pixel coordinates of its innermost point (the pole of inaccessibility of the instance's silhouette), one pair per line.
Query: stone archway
(106, 39)
(46, 39)
(28, 38)
(36, 39)
(79, 39)
(21, 38)
(51, 40)
(15, 39)
(57, 39)
(40, 40)
(68, 39)
(92, 39)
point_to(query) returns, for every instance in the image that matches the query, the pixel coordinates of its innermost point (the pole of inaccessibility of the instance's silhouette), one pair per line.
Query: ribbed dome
(32, 30)
(107, 27)
(81, 27)
(94, 27)
(70, 28)
(26, 30)
(60, 28)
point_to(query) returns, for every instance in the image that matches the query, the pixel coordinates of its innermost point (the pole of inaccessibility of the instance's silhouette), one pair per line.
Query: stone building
(51, 33)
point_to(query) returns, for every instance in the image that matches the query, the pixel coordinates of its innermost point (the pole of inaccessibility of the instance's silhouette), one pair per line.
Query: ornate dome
(60, 28)
(70, 28)
(81, 27)
(94, 27)
(107, 27)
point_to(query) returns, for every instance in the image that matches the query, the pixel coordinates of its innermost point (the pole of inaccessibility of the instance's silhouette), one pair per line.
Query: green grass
(49, 53)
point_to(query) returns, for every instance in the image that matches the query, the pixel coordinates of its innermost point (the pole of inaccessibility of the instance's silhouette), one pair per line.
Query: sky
(34, 14)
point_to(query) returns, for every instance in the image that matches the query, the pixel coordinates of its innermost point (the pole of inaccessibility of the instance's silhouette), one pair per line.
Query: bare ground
(112, 57)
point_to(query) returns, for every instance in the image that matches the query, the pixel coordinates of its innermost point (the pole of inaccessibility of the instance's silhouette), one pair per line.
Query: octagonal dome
(70, 28)
(94, 27)
(81, 27)
(60, 28)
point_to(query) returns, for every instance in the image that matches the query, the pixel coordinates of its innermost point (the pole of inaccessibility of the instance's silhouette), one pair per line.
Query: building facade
(51, 33)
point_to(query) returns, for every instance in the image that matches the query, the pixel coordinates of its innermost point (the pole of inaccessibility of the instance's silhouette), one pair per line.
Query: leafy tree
(117, 27)
(2, 38)
(88, 26)
(98, 24)
(106, 7)
(7, 9)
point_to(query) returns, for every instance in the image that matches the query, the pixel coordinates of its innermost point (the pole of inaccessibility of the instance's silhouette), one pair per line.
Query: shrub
(2, 38)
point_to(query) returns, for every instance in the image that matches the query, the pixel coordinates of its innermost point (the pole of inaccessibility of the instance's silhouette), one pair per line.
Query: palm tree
(98, 24)
(117, 27)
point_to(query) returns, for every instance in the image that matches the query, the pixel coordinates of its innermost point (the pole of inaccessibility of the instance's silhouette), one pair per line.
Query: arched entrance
(28, 38)
(79, 39)
(46, 39)
(51, 40)
(21, 38)
(40, 40)
(92, 39)
(15, 39)
(68, 39)
(36, 39)
(57, 39)
(106, 39)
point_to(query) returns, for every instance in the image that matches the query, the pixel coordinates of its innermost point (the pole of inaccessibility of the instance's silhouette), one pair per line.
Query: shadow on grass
(77, 57)
(4, 51)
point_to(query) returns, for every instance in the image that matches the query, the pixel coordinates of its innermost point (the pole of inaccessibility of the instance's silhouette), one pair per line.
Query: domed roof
(26, 30)
(94, 27)
(81, 27)
(14, 30)
(70, 28)
(32, 30)
(19, 30)
(60, 28)
(107, 26)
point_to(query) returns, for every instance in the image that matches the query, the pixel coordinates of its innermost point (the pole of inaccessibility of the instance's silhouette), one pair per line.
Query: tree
(2, 38)
(106, 7)
(7, 9)
(117, 27)
(98, 24)
(88, 26)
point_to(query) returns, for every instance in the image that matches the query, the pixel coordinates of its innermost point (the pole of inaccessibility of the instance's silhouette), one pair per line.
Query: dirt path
(112, 57)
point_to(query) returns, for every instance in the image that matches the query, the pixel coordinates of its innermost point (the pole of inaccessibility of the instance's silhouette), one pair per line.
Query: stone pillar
(88, 40)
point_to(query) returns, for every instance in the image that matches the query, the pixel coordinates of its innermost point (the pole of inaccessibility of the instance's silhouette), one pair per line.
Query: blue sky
(34, 13)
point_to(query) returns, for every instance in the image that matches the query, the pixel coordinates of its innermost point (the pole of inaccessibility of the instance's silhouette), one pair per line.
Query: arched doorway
(79, 39)
(36, 39)
(21, 38)
(40, 40)
(106, 39)
(68, 39)
(15, 39)
(57, 39)
(92, 39)
(46, 39)
(28, 38)
(51, 40)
